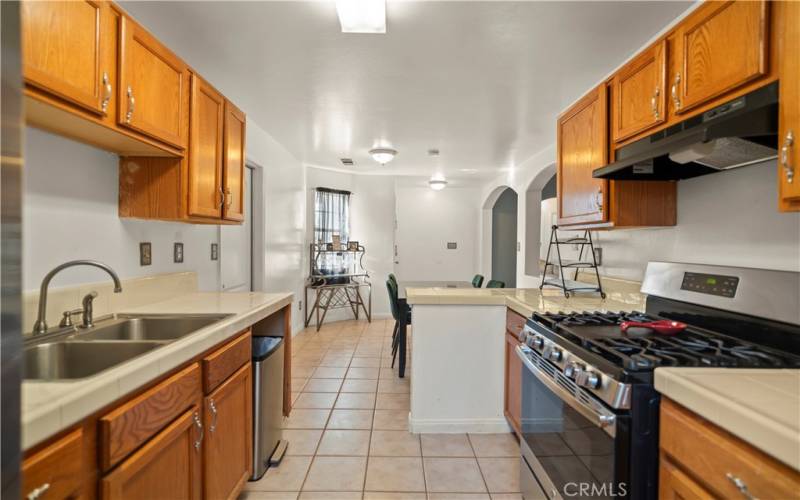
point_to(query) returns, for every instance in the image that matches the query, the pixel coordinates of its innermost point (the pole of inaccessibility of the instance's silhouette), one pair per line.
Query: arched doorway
(504, 238)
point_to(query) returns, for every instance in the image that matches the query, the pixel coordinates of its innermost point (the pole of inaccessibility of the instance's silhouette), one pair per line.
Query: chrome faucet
(41, 324)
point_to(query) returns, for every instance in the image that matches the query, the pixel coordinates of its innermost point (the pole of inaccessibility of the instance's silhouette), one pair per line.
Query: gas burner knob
(555, 355)
(538, 342)
(589, 379)
(573, 369)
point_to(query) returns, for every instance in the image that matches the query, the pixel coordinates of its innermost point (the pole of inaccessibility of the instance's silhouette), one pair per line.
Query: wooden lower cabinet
(55, 471)
(168, 466)
(700, 460)
(513, 385)
(227, 412)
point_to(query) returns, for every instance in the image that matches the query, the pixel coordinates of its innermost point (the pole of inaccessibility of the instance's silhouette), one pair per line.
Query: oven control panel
(711, 284)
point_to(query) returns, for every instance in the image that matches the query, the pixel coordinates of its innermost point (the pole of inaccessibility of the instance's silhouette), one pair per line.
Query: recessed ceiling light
(362, 16)
(437, 183)
(382, 155)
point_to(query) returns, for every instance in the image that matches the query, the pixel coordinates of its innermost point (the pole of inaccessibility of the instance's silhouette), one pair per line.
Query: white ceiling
(480, 81)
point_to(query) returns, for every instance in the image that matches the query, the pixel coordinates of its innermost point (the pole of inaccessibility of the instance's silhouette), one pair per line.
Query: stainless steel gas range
(589, 410)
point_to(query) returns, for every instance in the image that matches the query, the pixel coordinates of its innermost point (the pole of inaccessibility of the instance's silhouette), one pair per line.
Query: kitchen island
(458, 349)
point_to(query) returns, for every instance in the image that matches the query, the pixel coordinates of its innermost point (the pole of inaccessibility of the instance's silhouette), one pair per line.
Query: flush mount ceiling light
(437, 183)
(382, 155)
(362, 16)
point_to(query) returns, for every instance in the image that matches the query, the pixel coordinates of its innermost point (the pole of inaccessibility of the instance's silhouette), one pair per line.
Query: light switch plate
(177, 253)
(214, 251)
(145, 253)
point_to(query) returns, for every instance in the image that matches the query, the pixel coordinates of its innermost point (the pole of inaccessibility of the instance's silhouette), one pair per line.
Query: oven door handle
(604, 420)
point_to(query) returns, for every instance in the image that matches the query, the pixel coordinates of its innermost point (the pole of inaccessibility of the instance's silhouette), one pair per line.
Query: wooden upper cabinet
(205, 150)
(233, 172)
(153, 85)
(167, 466)
(228, 448)
(639, 93)
(721, 46)
(62, 51)
(789, 109)
(582, 147)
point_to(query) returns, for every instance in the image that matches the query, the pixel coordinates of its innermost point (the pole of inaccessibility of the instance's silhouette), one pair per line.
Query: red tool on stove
(662, 327)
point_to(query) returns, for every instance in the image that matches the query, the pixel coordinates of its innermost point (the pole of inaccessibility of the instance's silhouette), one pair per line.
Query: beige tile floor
(348, 432)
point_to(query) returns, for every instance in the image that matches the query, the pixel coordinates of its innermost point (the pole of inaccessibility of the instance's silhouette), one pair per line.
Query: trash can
(268, 445)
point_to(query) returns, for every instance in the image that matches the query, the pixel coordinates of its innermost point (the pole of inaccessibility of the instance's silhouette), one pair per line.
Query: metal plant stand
(570, 286)
(340, 290)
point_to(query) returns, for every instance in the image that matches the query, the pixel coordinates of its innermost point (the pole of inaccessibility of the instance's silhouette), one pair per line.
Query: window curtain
(331, 215)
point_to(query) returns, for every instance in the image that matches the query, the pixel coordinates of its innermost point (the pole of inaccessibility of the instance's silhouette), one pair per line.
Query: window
(331, 215)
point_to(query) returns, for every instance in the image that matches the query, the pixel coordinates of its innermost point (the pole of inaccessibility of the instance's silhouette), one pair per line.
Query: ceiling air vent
(347, 162)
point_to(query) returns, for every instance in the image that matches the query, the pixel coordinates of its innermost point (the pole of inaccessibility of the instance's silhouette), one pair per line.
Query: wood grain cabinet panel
(205, 150)
(789, 109)
(233, 171)
(674, 484)
(153, 85)
(130, 425)
(223, 362)
(62, 51)
(55, 471)
(513, 384)
(582, 147)
(168, 466)
(228, 414)
(718, 461)
(722, 46)
(639, 93)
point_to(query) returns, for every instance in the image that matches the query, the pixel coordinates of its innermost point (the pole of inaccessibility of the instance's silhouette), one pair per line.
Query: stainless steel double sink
(82, 352)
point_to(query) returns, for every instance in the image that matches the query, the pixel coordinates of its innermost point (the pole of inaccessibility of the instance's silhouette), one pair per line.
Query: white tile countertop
(759, 406)
(49, 407)
(621, 295)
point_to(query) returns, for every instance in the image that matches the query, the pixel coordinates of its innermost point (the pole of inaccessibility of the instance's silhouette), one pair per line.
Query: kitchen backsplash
(135, 292)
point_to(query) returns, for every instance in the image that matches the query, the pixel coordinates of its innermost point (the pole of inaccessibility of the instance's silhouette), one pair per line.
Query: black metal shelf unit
(570, 286)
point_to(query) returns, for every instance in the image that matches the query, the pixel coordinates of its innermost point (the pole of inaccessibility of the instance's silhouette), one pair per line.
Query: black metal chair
(477, 281)
(495, 284)
(392, 287)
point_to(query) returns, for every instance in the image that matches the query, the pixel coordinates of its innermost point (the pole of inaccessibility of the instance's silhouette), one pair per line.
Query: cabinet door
(62, 51)
(513, 386)
(228, 451)
(721, 47)
(674, 484)
(233, 175)
(152, 87)
(582, 147)
(789, 110)
(638, 91)
(167, 466)
(55, 471)
(205, 150)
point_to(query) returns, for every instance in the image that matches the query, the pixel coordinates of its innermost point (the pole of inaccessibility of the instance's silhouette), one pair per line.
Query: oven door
(570, 443)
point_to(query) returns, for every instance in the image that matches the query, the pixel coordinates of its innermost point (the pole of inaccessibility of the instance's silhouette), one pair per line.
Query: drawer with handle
(222, 363)
(724, 464)
(55, 471)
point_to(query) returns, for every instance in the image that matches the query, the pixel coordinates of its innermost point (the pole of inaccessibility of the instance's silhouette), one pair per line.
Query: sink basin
(157, 328)
(75, 359)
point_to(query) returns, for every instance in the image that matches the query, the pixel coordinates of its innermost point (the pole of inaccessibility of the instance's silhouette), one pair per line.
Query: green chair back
(477, 281)
(392, 289)
(495, 284)
(393, 279)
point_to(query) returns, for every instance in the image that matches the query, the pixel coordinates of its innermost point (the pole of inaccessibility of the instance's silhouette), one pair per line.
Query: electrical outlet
(598, 256)
(214, 251)
(177, 253)
(299, 305)
(145, 253)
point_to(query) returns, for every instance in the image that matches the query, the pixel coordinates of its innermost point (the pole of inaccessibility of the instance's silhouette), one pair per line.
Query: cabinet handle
(741, 486)
(654, 103)
(199, 426)
(106, 92)
(131, 106)
(675, 99)
(228, 198)
(786, 159)
(222, 200)
(213, 407)
(38, 492)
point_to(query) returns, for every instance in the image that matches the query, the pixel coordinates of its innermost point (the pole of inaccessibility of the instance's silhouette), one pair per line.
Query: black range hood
(740, 132)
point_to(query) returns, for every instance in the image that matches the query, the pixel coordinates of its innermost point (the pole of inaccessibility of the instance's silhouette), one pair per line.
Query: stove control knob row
(573, 369)
(589, 379)
(555, 355)
(538, 342)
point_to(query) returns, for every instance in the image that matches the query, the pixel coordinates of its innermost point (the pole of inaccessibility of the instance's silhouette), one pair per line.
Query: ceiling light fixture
(383, 155)
(362, 16)
(437, 183)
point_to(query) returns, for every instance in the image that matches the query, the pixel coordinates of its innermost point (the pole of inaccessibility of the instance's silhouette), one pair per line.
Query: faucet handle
(66, 321)
(88, 309)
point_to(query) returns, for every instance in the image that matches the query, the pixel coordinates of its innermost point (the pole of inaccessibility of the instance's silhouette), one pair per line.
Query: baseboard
(459, 426)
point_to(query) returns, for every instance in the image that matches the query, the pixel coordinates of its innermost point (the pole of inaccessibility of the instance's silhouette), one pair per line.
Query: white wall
(70, 201)
(372, 225)
(426, 221)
